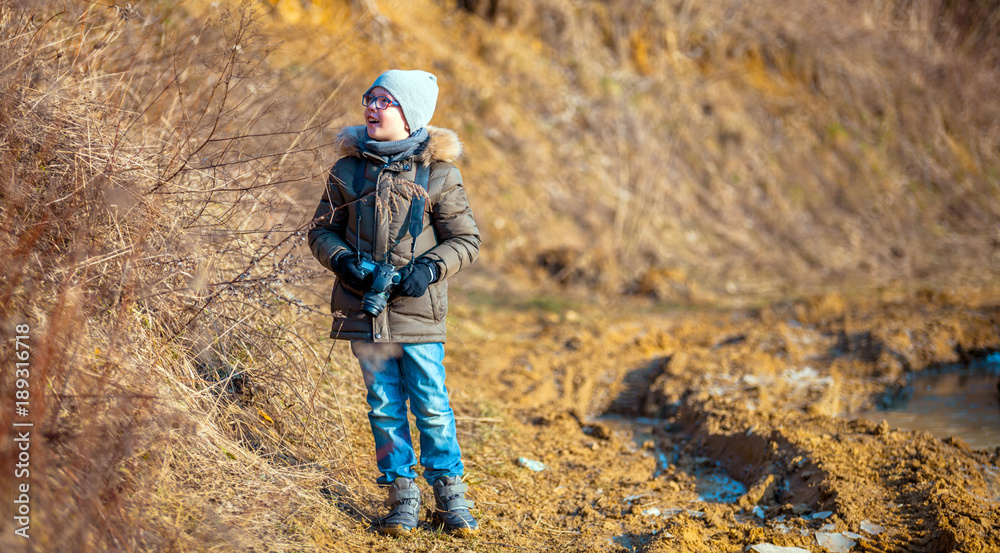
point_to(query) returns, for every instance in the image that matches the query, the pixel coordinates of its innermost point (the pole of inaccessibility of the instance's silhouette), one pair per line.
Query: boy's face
(385, 124)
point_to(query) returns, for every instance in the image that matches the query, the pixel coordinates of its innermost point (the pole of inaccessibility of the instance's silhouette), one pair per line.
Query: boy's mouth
(373, 120)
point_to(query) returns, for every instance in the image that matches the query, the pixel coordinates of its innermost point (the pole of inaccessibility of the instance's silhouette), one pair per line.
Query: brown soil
(765, 395)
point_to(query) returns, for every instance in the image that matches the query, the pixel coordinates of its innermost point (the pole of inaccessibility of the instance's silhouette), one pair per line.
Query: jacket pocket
(344, 304)
(439, 300)
(416, 309)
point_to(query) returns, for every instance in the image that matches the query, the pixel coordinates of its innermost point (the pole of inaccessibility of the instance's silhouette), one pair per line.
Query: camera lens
(373, 303)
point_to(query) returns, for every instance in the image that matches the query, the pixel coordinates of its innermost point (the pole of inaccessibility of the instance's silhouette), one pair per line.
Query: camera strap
(417, 204)
(422, 179)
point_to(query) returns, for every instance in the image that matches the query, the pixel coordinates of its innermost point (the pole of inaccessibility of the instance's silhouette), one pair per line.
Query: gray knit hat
(416, 91)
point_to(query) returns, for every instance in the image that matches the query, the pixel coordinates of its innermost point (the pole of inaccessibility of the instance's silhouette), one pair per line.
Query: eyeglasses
(381, 102)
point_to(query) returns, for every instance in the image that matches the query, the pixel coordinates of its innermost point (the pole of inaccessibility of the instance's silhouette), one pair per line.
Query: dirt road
(717, 430)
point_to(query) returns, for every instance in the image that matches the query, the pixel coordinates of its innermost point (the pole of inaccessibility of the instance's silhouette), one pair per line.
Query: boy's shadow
(340, 497)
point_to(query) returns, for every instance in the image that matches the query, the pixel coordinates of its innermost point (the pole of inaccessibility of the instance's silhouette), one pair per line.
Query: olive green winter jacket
(373, 216)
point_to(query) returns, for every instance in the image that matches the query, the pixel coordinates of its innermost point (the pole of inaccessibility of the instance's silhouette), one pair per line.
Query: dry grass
(786, 144)
(155, 255)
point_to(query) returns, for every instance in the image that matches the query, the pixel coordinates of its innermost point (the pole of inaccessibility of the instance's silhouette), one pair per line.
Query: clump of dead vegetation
(153, 250)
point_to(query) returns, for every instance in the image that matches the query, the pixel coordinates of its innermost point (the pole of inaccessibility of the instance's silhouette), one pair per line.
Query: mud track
(739, 426)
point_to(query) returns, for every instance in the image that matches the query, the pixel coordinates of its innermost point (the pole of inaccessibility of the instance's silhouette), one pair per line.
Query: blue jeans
(395, 373)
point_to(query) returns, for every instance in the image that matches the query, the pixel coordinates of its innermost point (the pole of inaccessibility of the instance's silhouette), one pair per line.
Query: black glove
(345, 266)
(418, 277)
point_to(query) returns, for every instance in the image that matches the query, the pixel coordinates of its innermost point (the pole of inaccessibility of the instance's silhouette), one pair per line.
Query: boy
(393, 224)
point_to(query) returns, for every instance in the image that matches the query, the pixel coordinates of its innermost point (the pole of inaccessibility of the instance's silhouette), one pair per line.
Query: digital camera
(384, 277)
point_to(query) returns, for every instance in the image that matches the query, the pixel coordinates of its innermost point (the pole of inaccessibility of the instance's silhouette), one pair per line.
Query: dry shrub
(71, 220)
(146, 161)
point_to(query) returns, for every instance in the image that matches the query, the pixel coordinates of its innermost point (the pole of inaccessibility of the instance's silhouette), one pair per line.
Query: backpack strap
(359, 184)
(359, 176)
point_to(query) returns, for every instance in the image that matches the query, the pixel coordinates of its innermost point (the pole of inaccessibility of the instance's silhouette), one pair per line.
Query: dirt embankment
(741, 429)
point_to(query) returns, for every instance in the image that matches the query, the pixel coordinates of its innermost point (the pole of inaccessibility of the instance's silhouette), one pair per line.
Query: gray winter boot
(452, 508)
(404, 499)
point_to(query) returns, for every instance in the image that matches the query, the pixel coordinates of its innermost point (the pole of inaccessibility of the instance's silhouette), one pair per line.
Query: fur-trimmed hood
(443, 144)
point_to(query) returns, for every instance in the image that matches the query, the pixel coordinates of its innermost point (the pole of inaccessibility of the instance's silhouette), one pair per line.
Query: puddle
(719, 487)
(955, 401)
(712, 483)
